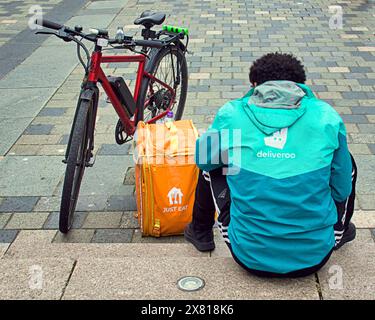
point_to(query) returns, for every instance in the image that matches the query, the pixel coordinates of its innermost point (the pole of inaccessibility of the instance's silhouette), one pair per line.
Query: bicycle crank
(121, 136)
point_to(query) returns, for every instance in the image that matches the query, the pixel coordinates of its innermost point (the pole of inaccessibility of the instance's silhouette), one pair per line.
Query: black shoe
(202, 240)
(348, 236)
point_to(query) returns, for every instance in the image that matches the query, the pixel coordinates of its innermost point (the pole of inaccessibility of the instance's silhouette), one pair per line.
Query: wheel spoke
(166, 71)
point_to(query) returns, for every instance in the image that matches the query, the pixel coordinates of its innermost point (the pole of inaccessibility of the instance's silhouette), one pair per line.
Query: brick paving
(226, 36)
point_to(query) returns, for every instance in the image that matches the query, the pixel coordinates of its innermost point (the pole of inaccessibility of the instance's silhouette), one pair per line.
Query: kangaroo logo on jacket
(278, 139)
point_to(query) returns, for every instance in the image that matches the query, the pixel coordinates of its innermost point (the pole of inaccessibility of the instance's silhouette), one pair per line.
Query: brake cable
(79, 45)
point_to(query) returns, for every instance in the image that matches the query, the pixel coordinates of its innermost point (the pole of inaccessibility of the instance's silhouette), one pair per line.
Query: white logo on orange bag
(175, 196)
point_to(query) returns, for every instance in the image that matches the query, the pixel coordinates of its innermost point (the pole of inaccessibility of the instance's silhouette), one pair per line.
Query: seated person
(276, 168)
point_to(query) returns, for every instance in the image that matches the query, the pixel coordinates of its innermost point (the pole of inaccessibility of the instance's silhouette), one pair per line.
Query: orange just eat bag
(166, 176)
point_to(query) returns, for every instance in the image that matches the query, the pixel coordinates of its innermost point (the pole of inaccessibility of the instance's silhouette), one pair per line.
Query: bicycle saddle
(148, 19)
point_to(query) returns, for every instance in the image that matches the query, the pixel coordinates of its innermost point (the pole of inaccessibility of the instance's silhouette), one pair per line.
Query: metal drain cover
(190, 283)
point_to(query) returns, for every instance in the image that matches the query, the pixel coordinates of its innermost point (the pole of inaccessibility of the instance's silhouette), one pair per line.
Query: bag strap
(173, 137)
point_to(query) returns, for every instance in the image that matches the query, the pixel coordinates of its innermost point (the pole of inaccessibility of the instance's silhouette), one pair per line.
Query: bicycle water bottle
(169, 117)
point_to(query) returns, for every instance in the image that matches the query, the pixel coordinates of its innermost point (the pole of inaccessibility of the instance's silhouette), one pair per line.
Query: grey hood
(275, 104)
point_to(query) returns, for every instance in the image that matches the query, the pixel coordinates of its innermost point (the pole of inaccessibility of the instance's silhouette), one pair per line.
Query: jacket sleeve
(209, 149)
(341, 169)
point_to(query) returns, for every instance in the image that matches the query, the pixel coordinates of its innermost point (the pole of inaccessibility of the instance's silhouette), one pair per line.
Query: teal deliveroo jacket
(288, 162)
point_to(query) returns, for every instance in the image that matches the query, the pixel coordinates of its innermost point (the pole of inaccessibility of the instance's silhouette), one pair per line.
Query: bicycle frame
(96, 74)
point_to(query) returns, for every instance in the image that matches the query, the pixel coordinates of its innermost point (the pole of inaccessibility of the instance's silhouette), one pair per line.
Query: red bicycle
(161, 87)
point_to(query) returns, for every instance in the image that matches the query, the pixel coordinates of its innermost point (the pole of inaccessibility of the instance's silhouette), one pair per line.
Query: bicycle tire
(156, 56)
(76, 163)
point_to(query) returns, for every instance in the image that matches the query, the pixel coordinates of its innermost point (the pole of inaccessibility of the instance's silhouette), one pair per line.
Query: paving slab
(349, 274)
(48, 204)
(129, 220)
(39, 129)
(8, 236)
(364, 219)
(95, 220)
(18, 204)
(38, 139)
(30, 241)
(114, 149)
(22, 103)
(105, 177)
(359, 149)
(4, 218)
(47, 67)
(34, 278)
(113, 236)
(25, 150)
(10, 131)
(91, 203)
(27, 220)
(52, 112)
(52, 222)
(30, 176)
(75, 236)
(110, 4)
(3, 248)
(366, 201)
(366, 178)
(156, 278)
(122, 202)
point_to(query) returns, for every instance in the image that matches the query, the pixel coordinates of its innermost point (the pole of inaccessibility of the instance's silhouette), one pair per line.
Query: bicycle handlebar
(150, 43)
(104, 33)
(48, 24)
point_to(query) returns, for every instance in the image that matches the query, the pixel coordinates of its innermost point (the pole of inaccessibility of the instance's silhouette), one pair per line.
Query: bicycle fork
(88, 93)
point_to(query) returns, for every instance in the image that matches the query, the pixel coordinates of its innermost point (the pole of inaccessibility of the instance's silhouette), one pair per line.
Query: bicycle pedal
(91, 162)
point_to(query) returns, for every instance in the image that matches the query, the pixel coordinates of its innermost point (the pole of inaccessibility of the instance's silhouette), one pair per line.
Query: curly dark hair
(277, 66)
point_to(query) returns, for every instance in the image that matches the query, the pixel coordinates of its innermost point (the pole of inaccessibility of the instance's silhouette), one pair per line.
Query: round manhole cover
(190, 283)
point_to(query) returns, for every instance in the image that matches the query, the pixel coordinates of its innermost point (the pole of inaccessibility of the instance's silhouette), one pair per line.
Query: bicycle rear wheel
(76, 163)
(168, 65)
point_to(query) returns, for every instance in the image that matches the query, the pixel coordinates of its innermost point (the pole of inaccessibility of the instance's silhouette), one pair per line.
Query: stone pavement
(104, 256)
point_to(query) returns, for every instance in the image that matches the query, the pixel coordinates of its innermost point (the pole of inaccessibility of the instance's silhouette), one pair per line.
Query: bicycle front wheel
(76, 163)
(169, 66)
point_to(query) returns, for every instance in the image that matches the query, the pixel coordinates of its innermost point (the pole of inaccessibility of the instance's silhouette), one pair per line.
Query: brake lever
(60, 34)
(45, 32)
(64, 35)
